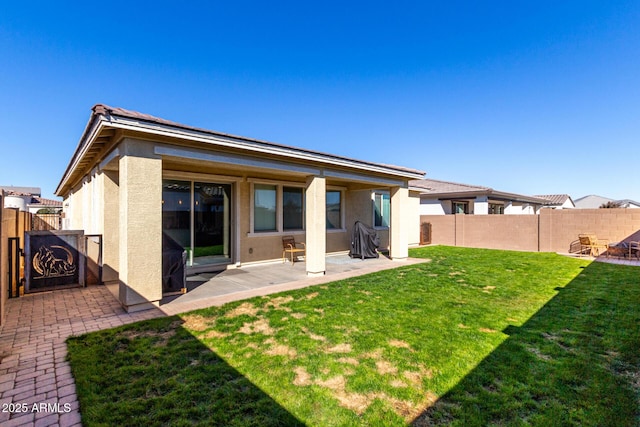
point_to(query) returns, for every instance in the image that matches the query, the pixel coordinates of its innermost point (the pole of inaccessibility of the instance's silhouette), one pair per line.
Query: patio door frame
(234, 223)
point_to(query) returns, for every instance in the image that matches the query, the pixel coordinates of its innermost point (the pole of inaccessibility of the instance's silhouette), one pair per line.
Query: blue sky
(529, 97)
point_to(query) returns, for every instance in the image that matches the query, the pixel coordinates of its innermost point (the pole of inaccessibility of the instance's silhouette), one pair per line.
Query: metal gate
(425, 233)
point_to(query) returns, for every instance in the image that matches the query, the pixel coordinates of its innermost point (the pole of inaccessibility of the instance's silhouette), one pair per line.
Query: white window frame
(343, 217)
(373, 209)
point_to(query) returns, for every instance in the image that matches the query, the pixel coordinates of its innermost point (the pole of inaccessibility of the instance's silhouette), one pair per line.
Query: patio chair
(290, 246)
(634, 249)
(591, 245)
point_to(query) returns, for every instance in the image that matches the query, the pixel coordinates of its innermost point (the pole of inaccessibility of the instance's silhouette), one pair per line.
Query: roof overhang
(106, 123)
(490, 194)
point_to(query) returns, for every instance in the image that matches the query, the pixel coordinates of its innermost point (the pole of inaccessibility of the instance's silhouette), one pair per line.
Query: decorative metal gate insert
(54, 259)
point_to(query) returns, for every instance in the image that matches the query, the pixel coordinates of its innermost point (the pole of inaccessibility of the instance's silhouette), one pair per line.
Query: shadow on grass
(575, 362)
(157, 373)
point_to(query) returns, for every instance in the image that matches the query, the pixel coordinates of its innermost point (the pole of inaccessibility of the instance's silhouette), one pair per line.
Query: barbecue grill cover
(174, 260)
(364, 241)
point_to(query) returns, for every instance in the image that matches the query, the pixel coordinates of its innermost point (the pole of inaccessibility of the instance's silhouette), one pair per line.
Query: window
(381, 209)
(264, 207)
(334, 210)
(292, 208)
(196, 216)
(496, 208)
(277, 208)
(460, 207)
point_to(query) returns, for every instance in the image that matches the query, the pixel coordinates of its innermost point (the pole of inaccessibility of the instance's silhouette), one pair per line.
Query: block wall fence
(13, 223)
(550, 231)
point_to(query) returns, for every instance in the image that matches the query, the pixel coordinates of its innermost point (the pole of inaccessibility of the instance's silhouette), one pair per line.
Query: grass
(474, 337)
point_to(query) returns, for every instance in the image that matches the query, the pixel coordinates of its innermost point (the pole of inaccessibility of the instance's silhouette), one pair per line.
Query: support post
(140, 225)
(316, 226)
(398, 234)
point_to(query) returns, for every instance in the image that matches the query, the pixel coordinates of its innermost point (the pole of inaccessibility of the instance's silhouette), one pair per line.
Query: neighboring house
(594, 202)
(227, 200)
(557, 201)
(28, 199)
(443, 198)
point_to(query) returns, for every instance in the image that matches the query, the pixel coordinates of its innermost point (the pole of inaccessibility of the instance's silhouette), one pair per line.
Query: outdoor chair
(293, 248)
(591, 245)
(634, 249)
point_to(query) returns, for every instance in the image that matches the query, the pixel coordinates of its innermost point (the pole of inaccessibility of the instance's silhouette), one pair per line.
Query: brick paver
(36, 385)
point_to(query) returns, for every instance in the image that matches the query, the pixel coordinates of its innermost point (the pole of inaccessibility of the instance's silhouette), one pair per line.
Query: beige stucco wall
(140, 226)
(122, 201)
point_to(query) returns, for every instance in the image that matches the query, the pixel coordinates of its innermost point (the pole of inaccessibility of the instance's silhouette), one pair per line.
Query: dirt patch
(415, 377)
(366, 292)
(162, 336)
(399, 344)
(375, 354)
(197, 323)
(349, 360)
(359, 402)
(313, 336)
(302, 378)
(340, 348)
(312, 295)
(488, 289)
(398, 384)
(385, 367)
(282, 350)
(319, 311)
(487, 330)
(215, 334)
(461, 326)
(244, 308)
(298, 315)
(278, 302)
(260, 326)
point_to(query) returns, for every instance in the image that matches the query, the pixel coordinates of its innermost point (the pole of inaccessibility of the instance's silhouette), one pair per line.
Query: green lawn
(474, 337)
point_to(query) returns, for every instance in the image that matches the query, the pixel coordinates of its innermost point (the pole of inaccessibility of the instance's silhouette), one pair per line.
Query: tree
(609, 205)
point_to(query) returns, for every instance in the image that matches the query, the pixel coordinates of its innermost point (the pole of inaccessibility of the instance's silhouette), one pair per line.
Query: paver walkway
(36, 385)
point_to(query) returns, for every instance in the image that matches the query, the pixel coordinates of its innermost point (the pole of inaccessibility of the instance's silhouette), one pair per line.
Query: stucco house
(227, 200)
(444, 198)
(593, 201)
(28, 199)
(557, 201)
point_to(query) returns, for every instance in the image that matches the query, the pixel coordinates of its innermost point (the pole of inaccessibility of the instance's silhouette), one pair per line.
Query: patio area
(207, 289)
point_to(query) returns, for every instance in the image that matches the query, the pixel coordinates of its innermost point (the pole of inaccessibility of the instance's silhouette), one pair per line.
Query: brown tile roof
(102, 109)
(555, 199)
(47, 202)
(439, 188)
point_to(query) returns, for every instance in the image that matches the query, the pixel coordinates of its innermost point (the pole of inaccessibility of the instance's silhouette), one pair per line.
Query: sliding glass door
(196, 216)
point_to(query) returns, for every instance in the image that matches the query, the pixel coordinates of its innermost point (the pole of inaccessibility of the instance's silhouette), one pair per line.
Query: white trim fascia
(80, 152)
(200, 136)
(244, 161)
